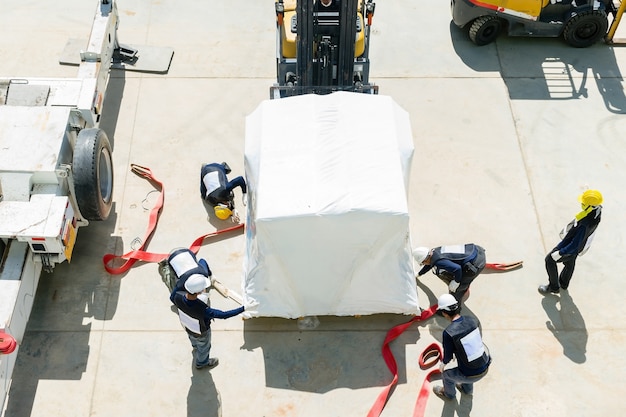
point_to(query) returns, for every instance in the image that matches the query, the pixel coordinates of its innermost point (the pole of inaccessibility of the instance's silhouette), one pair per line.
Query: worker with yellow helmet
(217, 190)
(576, 238)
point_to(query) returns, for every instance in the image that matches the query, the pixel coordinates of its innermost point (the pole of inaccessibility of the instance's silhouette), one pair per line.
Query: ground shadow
(111, 104)
(567, 325)
(341, 352)
(56, 341)
(203, 399)
(546, 68)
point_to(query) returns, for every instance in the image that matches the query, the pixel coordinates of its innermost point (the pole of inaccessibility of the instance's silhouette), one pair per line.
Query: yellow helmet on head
(591, 198)
(222, 212)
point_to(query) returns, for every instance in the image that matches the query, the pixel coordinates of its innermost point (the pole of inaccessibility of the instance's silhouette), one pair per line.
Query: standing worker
(462, 340)
(575, 240)
(218, 191)
(195, 315)
(456, 265)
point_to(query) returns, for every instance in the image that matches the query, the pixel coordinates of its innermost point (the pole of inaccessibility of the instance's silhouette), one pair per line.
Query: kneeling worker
(462, 340)
(217, 190)
(456, 265)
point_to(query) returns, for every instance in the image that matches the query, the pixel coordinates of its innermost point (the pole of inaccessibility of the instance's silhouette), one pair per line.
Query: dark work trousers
(562, 280)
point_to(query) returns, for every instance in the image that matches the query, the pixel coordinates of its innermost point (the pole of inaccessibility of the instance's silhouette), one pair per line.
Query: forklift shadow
(341, 352)
(546, 68)
(68, 302)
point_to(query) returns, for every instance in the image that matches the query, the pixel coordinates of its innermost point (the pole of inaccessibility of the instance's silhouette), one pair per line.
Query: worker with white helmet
(576, 238)
(195, 315)
(217, 190)
(456, 265)
(463, 341)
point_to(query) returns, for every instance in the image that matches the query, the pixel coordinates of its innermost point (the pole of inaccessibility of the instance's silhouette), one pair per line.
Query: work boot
(212, 363)
(545, 289)
(438, 391)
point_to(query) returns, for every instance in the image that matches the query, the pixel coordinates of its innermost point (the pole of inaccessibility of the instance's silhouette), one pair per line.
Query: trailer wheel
(485, 30)
(93, 174)
(586, 28)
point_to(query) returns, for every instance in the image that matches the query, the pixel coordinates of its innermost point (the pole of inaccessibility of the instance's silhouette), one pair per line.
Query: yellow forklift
(580, 22)
(322, 46)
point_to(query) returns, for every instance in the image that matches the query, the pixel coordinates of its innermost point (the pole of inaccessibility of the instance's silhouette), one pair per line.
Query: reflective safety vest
(469, 349)
(470, 257)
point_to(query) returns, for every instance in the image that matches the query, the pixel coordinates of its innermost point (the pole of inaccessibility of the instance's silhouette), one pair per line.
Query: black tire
(485, 30)
(92, 169)
(586, 28)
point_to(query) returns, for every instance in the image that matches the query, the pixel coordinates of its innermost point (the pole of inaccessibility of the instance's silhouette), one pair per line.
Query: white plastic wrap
(327, 229)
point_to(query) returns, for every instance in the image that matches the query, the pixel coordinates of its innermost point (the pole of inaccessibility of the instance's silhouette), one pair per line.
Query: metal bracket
(65, 172)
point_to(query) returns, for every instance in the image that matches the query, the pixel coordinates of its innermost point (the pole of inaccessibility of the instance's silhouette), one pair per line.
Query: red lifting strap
(140, 254)
(7, 343)
(504, 266)
(392, 334)
(433, 350)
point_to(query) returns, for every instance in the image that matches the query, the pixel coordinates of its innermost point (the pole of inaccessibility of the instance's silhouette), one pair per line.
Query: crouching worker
(456, 265)
(195, 315)
(184, 263)
(462, 340)
(217, 190)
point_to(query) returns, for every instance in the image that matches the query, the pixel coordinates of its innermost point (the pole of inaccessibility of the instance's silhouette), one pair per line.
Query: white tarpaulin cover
(327, 229)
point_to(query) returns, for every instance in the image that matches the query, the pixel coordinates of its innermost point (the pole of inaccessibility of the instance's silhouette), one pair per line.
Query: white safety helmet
(420, 253)
(196, 283)
(447, 302)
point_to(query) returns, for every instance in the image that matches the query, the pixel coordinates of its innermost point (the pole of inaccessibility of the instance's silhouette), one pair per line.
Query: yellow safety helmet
(222, 212)
(590, 198)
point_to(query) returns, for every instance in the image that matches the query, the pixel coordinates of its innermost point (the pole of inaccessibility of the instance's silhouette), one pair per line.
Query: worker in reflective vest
(576, 239)
(184, 263)
(217, 190)
(456, 265)
(462, 340)
(195, 316)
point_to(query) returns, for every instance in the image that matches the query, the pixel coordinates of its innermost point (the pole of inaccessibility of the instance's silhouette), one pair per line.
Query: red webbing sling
(140, 254)
(504, 266)
(392, 334)
(7, 343)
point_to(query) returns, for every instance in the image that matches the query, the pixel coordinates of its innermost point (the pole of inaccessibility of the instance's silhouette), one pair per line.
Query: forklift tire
(92, 169)
(586, 28)
(485, 30)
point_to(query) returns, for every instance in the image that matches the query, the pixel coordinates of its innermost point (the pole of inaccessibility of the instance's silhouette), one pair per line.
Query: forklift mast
(326, 57)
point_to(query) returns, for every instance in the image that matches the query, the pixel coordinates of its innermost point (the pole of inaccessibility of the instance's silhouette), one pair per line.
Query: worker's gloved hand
(235, 217)
(251, 305)
(555, 255)
(441, 367)
(453, 286)
(244, 199)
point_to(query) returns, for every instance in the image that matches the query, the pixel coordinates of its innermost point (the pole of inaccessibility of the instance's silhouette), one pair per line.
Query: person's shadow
(203, 399)
(567, 325)
(462, 405)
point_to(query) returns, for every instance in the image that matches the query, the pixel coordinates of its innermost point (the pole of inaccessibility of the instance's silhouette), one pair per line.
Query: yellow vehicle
(581, 22)
(322, 46)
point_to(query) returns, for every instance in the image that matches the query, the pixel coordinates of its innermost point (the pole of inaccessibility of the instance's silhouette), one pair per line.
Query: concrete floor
(506, 137)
